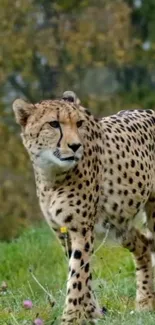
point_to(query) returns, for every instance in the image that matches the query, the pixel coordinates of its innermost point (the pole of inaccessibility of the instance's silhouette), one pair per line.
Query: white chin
(47, 160)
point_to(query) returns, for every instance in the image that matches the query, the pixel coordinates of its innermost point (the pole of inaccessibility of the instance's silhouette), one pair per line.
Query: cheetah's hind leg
(150, 213)
(138, 244)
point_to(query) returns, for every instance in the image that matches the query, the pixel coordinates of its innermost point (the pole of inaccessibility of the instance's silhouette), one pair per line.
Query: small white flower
(138, 3)
(146, 45)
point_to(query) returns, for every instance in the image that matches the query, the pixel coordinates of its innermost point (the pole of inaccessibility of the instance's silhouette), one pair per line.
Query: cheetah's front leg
(80, 301)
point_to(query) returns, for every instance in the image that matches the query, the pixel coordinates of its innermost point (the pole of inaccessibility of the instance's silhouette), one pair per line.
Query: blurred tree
(50, 43)
(17, 192)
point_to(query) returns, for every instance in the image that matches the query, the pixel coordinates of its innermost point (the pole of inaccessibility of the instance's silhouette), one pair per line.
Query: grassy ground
(38, 249)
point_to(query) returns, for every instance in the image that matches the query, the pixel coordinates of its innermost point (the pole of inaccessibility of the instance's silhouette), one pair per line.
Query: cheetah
(91, 172)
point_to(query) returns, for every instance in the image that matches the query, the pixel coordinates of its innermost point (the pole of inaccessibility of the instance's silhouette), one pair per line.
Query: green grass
(114, 281)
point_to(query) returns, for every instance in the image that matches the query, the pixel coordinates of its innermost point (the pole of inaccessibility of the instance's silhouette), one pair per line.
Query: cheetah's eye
(54, 124)
(79, 123)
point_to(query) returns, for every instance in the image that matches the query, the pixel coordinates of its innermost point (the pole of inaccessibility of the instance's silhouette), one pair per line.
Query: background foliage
(104, 50)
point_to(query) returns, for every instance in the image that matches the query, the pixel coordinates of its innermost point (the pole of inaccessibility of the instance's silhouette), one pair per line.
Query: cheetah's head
(52, 131)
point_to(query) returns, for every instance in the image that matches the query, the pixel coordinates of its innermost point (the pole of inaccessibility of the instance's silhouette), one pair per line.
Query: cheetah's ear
(22, 111)
(71, 97)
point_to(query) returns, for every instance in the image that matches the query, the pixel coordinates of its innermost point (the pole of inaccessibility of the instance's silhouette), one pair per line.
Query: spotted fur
(93, 172)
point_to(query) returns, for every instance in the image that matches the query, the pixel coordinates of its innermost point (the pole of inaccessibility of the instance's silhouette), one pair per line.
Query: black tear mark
(61, 135)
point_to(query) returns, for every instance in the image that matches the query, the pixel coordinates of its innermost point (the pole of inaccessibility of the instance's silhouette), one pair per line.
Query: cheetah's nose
(74, 146)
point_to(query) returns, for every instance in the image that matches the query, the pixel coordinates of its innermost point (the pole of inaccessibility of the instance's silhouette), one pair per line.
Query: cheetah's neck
(48, 178)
